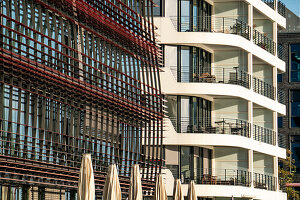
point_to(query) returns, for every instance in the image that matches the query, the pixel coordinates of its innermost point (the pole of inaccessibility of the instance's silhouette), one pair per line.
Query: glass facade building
(77, 77)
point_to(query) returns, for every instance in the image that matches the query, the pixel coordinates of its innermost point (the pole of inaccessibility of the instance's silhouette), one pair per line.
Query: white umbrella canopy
(135, 188)
(178, 191)
(112, 189)
(160, 190)
(86, 183)
(191, 192)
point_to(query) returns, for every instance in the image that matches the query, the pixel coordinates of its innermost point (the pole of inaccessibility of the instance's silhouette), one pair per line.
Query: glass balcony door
(194, 64)
(194, 15)
(194, 114)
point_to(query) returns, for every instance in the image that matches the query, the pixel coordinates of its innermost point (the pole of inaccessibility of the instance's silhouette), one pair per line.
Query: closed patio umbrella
(191, 192)
(135, 188)
(160, 190)
(178, 191)
(112, 190)
(86, 183)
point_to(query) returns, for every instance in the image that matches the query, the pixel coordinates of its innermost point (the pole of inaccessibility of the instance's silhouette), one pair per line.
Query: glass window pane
(295, 95)
(295, 122)
(185, 162)
(295, 63)
(279, 122)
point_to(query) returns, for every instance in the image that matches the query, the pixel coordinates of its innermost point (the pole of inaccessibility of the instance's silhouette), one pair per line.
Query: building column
(250, 21)
(250, 69)
(275, 36)
(250, 166)
(275, 168)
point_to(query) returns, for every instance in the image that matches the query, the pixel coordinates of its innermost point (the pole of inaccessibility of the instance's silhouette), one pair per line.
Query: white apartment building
(220, 80)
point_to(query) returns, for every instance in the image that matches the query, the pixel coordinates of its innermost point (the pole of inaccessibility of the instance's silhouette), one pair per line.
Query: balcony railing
(215, 177)
(220, 126)
(263, 88)
(223, 126)
(281, 96)
(270, 3)
(264, 42)
(211, 24)
(263, 181)
(236, 177)
(282, 184)
(281, 8)
(227, 75)
(264, 135)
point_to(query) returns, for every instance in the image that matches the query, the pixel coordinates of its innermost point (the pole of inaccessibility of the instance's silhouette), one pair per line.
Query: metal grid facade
(78, 76)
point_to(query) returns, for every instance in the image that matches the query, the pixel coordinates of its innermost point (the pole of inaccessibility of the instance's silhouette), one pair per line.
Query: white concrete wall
(235, 58)
(170, 56)
(172, 155)
(263, 117)
(263, 72)
(263, 164)
(262, 24)
(234, 10)
(230, 158)
(230, 108)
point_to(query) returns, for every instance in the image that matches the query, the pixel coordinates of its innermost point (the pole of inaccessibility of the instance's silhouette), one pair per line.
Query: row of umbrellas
(112, 190)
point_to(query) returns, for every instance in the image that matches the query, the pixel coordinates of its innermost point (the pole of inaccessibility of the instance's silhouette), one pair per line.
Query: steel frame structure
(78, 76)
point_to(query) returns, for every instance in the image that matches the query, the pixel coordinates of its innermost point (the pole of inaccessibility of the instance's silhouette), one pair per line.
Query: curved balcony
(215, 135)
(223, 126)
(204, 126)
(229, 177)
(214, 176)
(211, 24)
(228, 75)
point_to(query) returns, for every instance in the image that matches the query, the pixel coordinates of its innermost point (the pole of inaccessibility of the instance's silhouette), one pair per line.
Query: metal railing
(263, 181)
(282, 184)
(223, 126)
(281, 95)
(238, 177)
(220, 126)
(264, 42)
(270, 3)
(264, 135)
(215, 177)
(263, 88)
(281, 8)
(280, 51)
(282, 140)
(227, 75)
(211, 24)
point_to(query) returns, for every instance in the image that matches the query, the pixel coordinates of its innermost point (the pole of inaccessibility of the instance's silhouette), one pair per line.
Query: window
(295, 63)
(159, 9)
(295, 144)
(295, 108)
(192, 63)
(194, 162)
(279, 122)
(194, 15)
(279, 78)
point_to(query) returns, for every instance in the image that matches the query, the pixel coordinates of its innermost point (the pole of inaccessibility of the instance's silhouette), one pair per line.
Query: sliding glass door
(193, 63)
(194, 15)
(194, 163)
(194, 114)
